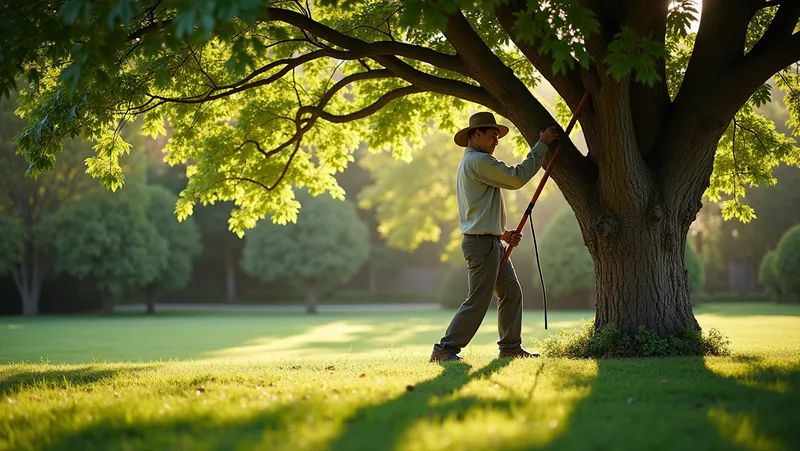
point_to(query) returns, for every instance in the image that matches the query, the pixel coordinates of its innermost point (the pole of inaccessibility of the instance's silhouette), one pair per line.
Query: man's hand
(511, 237)
(549, 135)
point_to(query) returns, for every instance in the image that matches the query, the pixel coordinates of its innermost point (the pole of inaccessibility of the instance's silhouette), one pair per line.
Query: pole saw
(527, 215)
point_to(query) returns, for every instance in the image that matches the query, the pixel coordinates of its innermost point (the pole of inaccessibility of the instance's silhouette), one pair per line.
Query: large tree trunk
(311, 296)
(641, 280)
(230, 275)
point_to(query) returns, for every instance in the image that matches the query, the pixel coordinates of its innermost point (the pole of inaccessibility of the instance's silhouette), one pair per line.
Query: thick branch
(518, 104)
(649, 104)
(719, 44)
(406, 72)
(364, 112)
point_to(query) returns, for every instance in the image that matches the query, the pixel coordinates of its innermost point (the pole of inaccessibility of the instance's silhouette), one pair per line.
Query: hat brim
(462, 137)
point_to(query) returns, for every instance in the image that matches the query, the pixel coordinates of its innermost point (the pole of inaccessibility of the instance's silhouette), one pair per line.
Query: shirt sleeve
(494, 172)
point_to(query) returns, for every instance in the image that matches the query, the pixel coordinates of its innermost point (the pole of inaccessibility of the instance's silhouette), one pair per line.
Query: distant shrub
(787, 262)
(694, 269)
(609, 342)
(768, 276)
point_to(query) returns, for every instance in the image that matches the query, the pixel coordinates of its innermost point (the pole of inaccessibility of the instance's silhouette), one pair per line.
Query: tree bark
(311, 296)
(640, 275)
(230, 276)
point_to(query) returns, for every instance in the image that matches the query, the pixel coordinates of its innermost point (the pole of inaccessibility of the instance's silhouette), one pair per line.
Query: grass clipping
(609, 342)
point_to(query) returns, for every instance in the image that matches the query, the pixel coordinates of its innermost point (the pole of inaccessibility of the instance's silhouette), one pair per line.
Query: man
(481, 209)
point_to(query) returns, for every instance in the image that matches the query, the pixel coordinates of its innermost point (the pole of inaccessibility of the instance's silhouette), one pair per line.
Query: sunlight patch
(740, 429)
(337, 332)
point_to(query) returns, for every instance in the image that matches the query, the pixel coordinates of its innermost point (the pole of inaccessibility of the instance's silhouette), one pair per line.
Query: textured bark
(311, 296)
(641, 278)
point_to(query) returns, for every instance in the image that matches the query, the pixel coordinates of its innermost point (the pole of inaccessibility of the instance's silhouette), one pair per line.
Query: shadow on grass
(743, 402)
(382, 426)
(13, 381)
(680, 403)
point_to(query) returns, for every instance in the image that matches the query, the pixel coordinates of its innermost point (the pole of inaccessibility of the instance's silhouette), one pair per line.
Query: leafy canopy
(262, 97)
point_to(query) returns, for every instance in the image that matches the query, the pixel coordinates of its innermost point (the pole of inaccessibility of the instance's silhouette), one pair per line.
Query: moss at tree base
(608, 342)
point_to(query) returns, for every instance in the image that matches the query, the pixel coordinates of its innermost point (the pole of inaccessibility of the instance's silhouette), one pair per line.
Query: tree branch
(719, 44)
(385, 56)
(364, 112)
(518, 104)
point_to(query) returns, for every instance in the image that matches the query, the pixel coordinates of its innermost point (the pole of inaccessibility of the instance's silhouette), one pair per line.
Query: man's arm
(493, 172)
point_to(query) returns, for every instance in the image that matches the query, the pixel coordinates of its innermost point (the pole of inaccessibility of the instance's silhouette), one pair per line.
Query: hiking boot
(444, 357)
(517, 353)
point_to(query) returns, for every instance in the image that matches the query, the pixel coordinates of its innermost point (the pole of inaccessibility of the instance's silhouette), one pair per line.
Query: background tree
(324, 248)
(768, 277)
(32, 200)
(108, 240)
(671, 115)
(182, 244)
(787, 263)
(11, 239)
(695, 272)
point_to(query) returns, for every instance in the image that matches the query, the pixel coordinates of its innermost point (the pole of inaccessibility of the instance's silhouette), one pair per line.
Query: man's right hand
(549, 135)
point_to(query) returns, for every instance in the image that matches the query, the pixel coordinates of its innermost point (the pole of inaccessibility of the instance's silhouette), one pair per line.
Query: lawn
(349, 381)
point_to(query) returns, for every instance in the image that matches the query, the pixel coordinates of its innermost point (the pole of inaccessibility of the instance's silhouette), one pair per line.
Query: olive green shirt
(479, 183)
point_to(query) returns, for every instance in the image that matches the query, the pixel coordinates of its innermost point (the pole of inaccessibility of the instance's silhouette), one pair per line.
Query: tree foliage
(327, 245)
(182, 239)
(230, 77)
(109, 241)
(768, 275)
(11, 238)
(787, 262)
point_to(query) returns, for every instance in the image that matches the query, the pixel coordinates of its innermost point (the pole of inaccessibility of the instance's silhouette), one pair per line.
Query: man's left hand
(512, 237)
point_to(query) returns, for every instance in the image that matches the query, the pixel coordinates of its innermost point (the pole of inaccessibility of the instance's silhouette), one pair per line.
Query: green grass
(361, 381)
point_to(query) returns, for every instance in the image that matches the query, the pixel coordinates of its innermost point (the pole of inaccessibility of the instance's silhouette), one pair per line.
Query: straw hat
(478, 120)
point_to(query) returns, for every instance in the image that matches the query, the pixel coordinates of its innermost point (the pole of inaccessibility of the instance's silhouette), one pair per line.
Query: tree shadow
(14, 380)
(381, 426)
(680, 402)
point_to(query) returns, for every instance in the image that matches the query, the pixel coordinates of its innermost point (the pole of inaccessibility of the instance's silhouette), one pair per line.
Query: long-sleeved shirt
(479, 183)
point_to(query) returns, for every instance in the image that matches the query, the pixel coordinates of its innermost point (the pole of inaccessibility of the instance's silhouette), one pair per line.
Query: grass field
(362, 381)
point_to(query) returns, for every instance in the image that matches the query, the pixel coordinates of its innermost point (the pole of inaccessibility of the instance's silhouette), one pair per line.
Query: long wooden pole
(546, 176)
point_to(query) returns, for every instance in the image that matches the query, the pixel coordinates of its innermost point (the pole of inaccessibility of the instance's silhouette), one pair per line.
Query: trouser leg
(483, 256)
(509, 307)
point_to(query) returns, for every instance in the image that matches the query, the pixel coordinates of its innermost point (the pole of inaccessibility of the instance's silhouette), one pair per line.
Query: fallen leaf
(363, 375)
(331, 368)
(410, 388)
